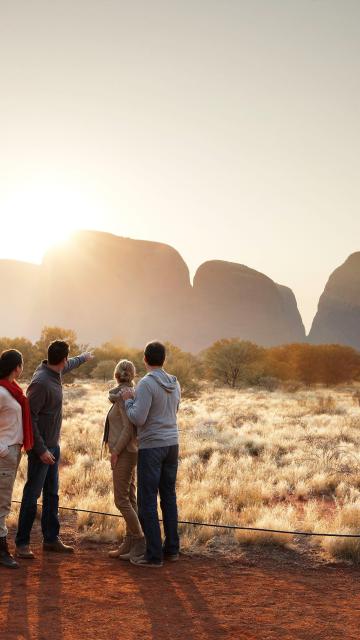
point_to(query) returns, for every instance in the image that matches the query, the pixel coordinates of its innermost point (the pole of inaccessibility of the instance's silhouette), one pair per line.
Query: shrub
(329, 364)
(233, 361)
(185, 367)
(270, 383)
(104, 370)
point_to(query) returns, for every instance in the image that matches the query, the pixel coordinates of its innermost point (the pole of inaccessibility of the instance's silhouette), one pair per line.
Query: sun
(38, 217)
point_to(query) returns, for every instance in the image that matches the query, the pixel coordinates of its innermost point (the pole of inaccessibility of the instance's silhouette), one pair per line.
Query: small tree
(185, 367)
(115, 350)
(28, 350)
(338, 364)
(48, 334)
(328, 364)
(104, 370)
(232, 361)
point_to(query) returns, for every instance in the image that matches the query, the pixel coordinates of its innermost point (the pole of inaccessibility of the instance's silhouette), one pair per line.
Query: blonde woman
(120, 436)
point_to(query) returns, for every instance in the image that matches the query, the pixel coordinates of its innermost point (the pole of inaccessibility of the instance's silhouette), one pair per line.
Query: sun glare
(38, 218)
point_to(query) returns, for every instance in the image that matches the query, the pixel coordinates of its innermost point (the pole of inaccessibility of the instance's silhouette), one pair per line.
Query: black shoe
(6, 558)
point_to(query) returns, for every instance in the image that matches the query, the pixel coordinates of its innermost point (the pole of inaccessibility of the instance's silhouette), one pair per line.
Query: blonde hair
(125, 372)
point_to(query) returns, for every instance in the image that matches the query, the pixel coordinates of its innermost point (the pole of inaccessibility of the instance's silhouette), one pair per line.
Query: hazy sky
(228, 128)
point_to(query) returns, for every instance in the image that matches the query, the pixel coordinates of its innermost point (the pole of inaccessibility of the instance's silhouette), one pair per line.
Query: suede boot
(123, 549)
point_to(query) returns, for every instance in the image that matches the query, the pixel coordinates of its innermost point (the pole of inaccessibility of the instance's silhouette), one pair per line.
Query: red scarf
(17, 393)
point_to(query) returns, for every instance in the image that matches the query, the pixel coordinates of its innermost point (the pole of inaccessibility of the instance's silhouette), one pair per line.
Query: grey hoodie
(154, 408)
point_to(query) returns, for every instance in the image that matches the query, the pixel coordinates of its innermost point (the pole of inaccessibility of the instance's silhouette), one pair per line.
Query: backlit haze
(229, 130)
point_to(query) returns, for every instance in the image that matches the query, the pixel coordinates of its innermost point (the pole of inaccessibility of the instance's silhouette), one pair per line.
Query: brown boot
(24, 552)
(123, 549)
(58, 546)
(138, 548)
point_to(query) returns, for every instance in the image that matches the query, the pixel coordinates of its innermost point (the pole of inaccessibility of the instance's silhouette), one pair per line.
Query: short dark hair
(10, 359)
(155, 354)
(57, 351)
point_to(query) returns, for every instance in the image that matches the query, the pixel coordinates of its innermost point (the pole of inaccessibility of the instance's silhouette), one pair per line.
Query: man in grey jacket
(45, 397)
(153, 411)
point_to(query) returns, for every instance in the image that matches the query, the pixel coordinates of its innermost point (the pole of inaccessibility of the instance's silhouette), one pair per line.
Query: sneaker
(138, 548)
(58, 547)
(24, 552)
(142, 561)
(171, 557)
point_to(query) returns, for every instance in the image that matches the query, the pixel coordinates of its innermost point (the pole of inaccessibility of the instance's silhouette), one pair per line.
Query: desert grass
(282, 460)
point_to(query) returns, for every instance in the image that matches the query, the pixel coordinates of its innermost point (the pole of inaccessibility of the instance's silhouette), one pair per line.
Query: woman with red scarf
(15, 431)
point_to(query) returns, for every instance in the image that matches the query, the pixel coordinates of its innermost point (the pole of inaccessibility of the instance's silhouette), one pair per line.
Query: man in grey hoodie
(153, 411)
(45, 398)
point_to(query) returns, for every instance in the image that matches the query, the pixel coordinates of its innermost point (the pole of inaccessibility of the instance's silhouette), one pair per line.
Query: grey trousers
(8, 468)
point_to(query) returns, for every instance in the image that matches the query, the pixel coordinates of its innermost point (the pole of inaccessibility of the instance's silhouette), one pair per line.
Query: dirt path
(89, 596)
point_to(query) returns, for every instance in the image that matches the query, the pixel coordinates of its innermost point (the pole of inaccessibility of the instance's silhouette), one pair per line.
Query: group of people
(140, 433)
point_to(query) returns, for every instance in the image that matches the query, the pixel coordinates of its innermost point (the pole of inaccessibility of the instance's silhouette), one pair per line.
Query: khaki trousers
(8, 468)
(125, 492)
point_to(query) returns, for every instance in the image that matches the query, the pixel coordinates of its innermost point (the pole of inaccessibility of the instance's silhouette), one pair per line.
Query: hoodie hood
(165, 380)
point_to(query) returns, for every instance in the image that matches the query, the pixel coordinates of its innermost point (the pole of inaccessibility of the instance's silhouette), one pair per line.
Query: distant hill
(231, 300)
(104, 287)
(338, 316)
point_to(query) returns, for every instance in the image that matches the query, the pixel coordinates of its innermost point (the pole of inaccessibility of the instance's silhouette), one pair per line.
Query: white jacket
(11, 426)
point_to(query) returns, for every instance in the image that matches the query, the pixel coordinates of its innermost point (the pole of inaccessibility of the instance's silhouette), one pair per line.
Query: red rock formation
(338, 316)
(105, 287)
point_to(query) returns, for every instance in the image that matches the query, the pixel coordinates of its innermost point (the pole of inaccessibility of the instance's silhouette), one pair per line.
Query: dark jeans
(40, 478)
(157, 469)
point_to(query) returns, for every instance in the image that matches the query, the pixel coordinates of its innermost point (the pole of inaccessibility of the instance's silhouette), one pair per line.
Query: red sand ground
(272, 595)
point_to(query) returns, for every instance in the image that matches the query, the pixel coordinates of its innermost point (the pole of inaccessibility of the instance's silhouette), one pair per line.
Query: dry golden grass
(283, 460)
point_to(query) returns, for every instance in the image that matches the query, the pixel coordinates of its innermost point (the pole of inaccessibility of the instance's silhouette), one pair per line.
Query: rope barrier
(220, 526)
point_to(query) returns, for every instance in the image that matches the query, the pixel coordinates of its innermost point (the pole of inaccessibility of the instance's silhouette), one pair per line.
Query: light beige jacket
(122, 433)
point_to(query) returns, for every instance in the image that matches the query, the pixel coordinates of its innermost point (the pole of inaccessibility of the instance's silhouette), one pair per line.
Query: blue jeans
(40, 478)
(157, 469)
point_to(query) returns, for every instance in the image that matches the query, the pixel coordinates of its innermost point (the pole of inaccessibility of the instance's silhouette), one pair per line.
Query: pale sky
(228, 129)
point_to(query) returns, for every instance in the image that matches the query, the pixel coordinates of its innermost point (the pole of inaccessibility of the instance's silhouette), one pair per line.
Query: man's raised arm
(77, 361)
